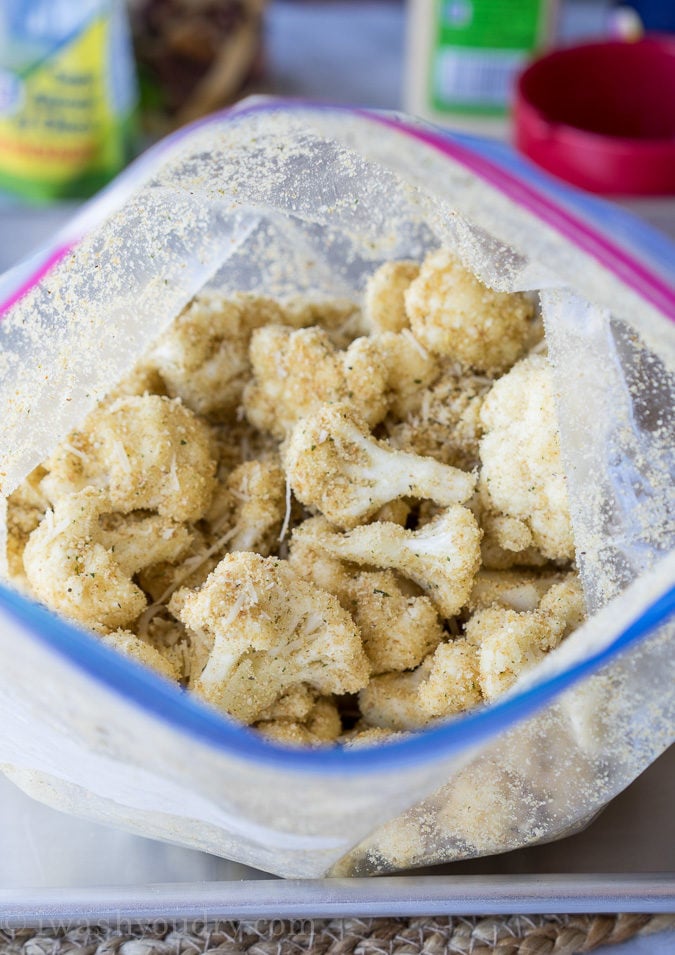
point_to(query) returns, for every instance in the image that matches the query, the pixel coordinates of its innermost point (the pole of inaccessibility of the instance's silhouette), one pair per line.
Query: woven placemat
(504, 935)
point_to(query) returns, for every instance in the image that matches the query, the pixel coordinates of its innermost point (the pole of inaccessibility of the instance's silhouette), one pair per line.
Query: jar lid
(602, 115)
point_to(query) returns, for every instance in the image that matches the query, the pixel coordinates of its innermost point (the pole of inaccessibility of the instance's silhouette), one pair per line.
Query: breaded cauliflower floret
(25, 509)
(341, 319)
(442, 557)
(446, 683)
(397, 625)
(80, 568)
(334, 464)
(270, 630)
(143, 379)
(408, 367)
(308, 558)
(203, 357)
(132, 646)
(444, 423)
(507, 542)
(298, 371)
(301, 718)
(516, 590)
(194, 566)
(453, 314)
(522, 475)
(148, 452)
(252, 502)
(398, 628)
(384, 299)
(510, 642)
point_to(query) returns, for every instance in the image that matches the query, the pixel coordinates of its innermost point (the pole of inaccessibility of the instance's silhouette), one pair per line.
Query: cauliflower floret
(446, 683)
(160, 580)
(408, 367)
(309, 560)
(507, 542)
(203, 357)
(83, 569)
(132, 646)
(398, 628)
(252, 502)
(397, 625)
(516, 590)
(246, 514)
(170, 638)
(522, 475)
(444, 422)
(301, 718)
(147, 451)
(70, 467)
(298, 371)
(144, 379)
(510, 642)
(334, 464)
(442, 557)
(341, 319)
(453, 314)
(384, 300)
(270, 630)
(25, 509)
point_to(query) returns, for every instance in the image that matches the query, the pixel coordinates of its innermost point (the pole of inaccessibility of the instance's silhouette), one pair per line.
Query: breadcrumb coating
(442, 557)
(132, 646)
(80, 568)
(144, 379)
(514, 589)
(194, 566)
(147, 451)
(522, 475)
(335, 465)
(301, 717)
(296, 372)
(291, 555)
(510, 642)
(446, 683)
(341, 319)
(25, 509)
(370, 736)
(270, 629)
(454, 315)
(203, 357)
(252, 502)
(444, 423)
(398, 629)
(384, 298)
(408, 368)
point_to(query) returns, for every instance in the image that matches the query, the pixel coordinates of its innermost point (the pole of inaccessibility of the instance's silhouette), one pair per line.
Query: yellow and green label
(479, 46)
(66, 111)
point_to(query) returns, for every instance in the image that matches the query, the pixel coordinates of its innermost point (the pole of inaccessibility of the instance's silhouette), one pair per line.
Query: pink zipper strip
(630, 271)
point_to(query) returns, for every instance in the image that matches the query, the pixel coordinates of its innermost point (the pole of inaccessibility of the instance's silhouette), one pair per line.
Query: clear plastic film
(297, 199)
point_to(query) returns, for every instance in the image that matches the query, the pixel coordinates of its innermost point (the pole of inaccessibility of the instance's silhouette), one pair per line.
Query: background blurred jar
(67, 96)
(193, 56)
(463, 57)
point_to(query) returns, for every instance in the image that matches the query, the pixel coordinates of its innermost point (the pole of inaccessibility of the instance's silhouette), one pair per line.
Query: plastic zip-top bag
(297, 199)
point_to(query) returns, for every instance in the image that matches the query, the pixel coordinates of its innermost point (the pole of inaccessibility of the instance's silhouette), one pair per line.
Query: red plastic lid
(602, 115)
